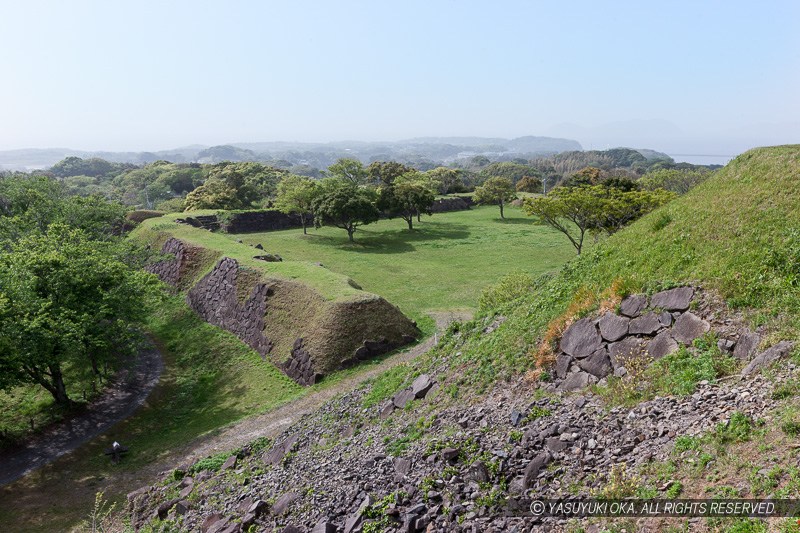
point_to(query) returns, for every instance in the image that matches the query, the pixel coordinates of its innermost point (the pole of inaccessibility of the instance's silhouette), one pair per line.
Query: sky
(698, 77)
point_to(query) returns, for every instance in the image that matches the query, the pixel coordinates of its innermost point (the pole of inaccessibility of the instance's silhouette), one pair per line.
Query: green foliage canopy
(343, 204)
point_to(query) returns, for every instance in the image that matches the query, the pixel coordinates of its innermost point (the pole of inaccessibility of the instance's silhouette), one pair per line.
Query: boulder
(747, 345)
(402, 466)
(598, 364)
(554, 444)
(229, 463)
(677, 299)
(478, 473)
(767, 357)
(210, 521)
(613, 327)
(403, 397)
(661, 345)
(562, 365)
(324, 526)
(581, 339)
(689, 327)
(421, 386)
(281, 505)
(291, 528)
(647, 324)
(387, 410)
(627, 347)
(665, 317)
(449, 454)
(532, 469)
(576, 381)
(633, 305)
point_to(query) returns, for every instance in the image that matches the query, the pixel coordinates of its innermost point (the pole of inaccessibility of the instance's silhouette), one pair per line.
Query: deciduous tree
(296, 194)
(496, 191)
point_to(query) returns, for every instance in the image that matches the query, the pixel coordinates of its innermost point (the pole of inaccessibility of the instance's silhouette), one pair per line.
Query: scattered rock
(767, 357)
(747, 345)
(677, 299)
(229, 463)
(627, 347)
(421, 385)
(516, 417)
(403, 397)
(282, 504)
(562, 365)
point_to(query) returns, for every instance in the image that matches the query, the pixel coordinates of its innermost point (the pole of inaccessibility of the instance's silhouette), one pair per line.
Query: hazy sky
(699, 76)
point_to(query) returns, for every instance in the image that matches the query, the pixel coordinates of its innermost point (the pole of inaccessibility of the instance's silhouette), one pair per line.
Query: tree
(585, 177)
(296, 194)
(69, 300)
(409, 196)
(529, 184)
(496, 191)
(344, 205)
(574, 211)
(349, 169)
(385, 172)
(678, 181)
(448, 180)
(509, 169)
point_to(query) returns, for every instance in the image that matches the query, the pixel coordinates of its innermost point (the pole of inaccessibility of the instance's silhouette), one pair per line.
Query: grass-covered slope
(737, 234)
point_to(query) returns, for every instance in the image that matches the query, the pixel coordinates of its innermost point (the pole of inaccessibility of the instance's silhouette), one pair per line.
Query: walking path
(128, 391)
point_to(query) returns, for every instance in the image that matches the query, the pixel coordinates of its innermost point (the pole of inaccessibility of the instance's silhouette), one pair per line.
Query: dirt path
(276, 420)
(122, 398)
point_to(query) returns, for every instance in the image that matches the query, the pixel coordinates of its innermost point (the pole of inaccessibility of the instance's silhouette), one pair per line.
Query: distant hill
(420, 151)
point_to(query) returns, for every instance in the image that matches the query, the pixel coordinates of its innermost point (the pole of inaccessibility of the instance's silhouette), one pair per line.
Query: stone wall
(215, 298)
(457, 203)
(267, 220)
(169, 270)
(593, 348)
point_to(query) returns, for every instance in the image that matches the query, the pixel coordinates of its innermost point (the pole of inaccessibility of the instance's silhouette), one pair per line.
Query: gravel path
(129, 390)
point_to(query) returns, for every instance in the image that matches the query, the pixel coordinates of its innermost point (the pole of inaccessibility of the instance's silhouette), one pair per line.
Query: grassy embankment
(738, 234)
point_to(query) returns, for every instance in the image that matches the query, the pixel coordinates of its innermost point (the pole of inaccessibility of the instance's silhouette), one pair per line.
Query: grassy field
(442, 264)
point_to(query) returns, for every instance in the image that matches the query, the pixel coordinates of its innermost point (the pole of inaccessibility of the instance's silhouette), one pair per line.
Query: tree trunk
(501, 211)
(350, 232)
(418, 217)
(303, 222)
(410, 221)
(59, 390)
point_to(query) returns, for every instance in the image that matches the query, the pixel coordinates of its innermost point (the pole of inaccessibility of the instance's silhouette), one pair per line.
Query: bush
(510, 287)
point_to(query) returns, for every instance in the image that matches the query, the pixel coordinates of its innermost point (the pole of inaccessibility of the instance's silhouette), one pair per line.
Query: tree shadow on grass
(404, 240)
(520, 221)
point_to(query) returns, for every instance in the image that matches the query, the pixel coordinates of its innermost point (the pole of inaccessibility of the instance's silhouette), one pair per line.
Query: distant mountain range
(320, 155)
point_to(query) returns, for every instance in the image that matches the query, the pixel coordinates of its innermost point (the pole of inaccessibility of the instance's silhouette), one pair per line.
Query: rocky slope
(425, 461)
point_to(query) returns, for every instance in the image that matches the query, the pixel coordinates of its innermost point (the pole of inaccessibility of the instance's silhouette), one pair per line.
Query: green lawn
(444, 263)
